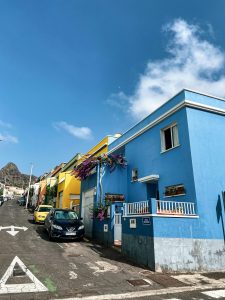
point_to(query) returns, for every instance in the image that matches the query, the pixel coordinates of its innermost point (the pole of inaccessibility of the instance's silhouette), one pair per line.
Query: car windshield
(65, 215)
(44, 209)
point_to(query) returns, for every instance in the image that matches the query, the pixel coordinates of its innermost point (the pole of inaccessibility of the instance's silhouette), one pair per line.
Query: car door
(48, 219)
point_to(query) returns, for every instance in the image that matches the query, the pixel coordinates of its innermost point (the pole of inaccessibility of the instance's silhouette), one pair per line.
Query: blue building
(167, 207)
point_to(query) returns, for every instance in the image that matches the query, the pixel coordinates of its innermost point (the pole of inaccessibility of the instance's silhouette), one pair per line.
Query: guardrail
(175, 208)
(160, 207)
(136, 208)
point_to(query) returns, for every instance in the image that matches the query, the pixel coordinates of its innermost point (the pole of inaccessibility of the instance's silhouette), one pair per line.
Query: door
(117, 229)
(152, 190)
(87, 211)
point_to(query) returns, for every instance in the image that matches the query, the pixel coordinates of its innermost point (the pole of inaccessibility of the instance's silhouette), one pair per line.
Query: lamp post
(31, 168)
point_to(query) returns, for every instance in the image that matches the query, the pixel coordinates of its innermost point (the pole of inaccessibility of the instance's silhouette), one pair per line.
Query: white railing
(175, 208)
(136, 208)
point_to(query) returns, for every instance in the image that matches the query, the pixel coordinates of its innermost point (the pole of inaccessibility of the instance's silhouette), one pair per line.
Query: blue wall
(207, 137)
(198, 163)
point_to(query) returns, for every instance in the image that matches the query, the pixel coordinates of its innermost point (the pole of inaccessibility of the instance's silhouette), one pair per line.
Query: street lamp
(31, 168)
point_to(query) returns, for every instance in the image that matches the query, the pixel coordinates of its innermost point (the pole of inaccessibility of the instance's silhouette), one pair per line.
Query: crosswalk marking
(216, 294)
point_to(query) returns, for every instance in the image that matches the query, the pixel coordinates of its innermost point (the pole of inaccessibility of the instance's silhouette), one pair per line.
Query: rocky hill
(11, 175)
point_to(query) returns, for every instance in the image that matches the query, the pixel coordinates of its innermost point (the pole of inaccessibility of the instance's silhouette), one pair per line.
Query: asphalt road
(32, 267)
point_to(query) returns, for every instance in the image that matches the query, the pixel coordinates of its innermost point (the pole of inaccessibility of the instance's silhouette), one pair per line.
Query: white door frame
(117, 229)
(85, 213)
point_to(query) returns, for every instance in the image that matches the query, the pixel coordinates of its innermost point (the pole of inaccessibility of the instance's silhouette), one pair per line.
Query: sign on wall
(133, 223)
(146, 221)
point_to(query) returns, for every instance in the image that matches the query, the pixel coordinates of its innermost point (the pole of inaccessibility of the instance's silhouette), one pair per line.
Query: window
(174, 190)
(134, 175)
(169, 137)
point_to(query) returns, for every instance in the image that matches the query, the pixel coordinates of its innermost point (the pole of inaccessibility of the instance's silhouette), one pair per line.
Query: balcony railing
(175, 208)
(136, 208)
(159, 207)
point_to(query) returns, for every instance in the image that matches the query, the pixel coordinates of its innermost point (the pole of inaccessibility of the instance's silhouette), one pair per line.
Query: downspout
(98, 192)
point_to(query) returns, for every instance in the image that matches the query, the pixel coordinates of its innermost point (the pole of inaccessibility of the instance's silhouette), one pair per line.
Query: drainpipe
(98, 185)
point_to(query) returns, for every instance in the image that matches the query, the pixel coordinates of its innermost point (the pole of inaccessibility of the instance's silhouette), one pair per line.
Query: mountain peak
(10, 175)
(11, 167)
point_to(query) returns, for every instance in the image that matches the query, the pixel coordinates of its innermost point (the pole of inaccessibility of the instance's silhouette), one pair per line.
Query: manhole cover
(215, 275)
(74, 255)
(138, 282)
(165, 280)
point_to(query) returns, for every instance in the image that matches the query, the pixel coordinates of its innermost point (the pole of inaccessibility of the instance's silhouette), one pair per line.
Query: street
(32, 267)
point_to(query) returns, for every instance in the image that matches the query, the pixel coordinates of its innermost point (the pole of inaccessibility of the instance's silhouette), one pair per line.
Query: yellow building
(68, 195)
(100, 148)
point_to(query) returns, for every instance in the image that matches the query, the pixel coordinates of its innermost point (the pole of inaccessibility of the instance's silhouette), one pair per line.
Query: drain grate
(165, 280)
(215, 275)
(138, 282)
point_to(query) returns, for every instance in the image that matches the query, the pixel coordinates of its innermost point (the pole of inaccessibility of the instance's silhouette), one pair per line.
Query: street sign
(35, 286)
(12, 230)
(146, 221)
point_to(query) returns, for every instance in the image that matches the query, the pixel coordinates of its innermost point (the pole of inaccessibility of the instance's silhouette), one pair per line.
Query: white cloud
(8, 138)
(192, 62)
(4, 124)
(78, 132)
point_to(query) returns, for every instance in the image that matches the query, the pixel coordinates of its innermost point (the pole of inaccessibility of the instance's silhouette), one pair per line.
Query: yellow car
(41, 213)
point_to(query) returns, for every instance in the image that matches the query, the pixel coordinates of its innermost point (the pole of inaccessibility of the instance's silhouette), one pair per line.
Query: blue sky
(72, 72)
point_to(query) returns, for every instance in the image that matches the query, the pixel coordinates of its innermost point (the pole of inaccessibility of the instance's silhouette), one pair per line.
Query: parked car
(64, 224)
(1, 200)
(22, 201)
(41, 212)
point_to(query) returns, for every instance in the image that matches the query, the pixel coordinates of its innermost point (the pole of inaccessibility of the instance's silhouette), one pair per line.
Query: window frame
(176, 188)
(162, 136)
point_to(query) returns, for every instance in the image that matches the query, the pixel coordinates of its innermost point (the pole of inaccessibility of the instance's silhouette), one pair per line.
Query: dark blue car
(64, 224)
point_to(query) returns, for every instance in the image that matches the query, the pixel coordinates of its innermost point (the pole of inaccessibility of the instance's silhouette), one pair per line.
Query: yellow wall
(100, 148)
(42, 191)
(70, 185)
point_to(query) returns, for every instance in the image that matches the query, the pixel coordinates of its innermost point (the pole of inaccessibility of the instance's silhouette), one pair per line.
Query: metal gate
(117, 229)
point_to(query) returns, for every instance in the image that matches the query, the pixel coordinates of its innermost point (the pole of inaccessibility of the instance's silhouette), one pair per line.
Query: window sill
(174, 196)
(163, 151)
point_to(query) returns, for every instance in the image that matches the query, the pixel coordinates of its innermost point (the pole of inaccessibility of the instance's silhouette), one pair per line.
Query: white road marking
(12, 228)
(102, 267)
(35, 286)
(215, 294)
(88, 285)
(148, 293)
(194, 279)
(73, 275)
(73, 266)
(148, 281)
(59, 245)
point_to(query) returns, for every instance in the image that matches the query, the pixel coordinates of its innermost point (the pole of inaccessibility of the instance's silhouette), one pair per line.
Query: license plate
(70, 233)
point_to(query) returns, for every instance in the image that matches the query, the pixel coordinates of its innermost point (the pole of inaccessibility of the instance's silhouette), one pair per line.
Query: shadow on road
(110, 253)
